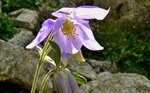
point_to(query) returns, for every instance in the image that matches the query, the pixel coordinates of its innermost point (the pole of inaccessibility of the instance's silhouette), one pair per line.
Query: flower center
(69, 29)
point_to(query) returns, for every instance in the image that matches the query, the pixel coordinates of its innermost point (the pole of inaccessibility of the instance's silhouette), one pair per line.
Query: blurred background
(124, 33)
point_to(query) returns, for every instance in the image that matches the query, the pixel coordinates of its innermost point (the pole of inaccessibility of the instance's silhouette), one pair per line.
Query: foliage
(80, 79)
(53, 4)
(7, 30)
(11, 5)
(127, 43)
(56, 52)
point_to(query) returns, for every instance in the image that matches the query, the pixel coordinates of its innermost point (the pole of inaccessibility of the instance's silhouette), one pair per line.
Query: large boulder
(18, 65)
(82, 68)
(45, 12)
(16, 13)
(102, 66)
(25, 18)
(117, 83)
(23, 38)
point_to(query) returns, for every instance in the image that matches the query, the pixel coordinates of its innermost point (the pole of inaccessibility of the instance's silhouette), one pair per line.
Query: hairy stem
(36, 77)
(40, 63)
(45, 79)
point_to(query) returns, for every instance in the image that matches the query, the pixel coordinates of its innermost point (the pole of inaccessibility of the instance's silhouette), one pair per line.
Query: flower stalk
(36, 77)
(45, 79)
(40, 63)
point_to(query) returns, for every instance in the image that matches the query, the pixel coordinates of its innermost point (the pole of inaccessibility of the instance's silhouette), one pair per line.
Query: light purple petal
(58, 24)
(65, 10)
(84, 6)
(69, 46)
(92, 44)
(81, 32)
(59, 39)
(63, 42)
(79, 19)
(89, 43)
(47, 26)
(91, 12)
(77, 44)
(72, 46)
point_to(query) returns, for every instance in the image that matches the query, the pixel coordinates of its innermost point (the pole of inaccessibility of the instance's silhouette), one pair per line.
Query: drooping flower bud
(65, 82)
(61, 83)
(73, 84)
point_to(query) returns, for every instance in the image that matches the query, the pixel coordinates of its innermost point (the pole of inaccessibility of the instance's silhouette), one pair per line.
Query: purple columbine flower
(71, 30)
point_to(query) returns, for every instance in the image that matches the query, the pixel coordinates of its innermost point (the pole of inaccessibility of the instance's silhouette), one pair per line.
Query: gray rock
(45, 12)
(17, 12)
(103, 3)
(0, 6)
(27, 19)
(117, 83)
(102, 66)
(68, 3)
(17, 65)
(74, 3)
(23, 38)
(82, 68)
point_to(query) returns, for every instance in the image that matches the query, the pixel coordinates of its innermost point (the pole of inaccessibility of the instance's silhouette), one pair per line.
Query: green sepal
(56, 53)
(80, 79)
(79, 56)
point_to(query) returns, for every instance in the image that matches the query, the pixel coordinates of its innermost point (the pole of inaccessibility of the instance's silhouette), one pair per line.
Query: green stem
(40, 63)
(45, 79)
(46, 44)
(36, 77)
(49, 49)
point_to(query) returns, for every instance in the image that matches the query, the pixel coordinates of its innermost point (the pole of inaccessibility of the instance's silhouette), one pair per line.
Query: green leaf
(56, 53)
(47, 58)
(80, 79)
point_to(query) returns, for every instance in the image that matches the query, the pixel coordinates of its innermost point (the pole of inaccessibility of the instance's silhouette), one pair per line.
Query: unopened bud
(61, 83)
(65, 82)
(73, 84)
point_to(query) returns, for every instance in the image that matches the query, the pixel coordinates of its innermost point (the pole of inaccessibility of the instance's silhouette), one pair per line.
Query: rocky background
(17, 64)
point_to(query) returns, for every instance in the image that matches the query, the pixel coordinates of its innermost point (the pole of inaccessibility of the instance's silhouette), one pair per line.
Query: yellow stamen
(69, 29)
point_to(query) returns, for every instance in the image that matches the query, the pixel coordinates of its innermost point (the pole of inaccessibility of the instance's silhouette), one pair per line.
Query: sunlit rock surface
(102, 66)
(23, 38)
(17, 65)
(16, 13)
(25, 18)
(82, 68)
(117, 83)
